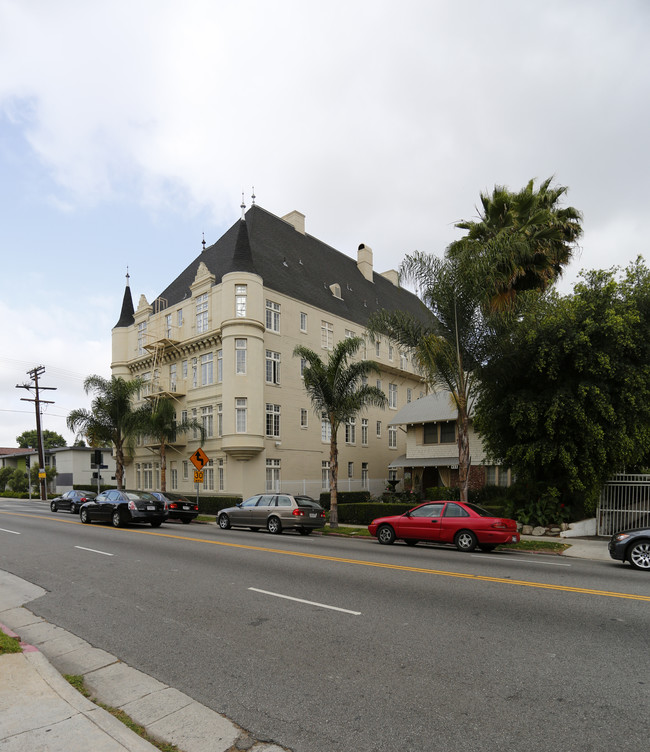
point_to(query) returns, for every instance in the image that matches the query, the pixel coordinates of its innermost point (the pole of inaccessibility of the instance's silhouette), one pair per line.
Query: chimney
(392, 275)
(297, 219)
(364, 261)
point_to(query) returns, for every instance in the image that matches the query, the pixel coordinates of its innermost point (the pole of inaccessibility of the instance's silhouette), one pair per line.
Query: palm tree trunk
(463, 453)
(119, 466)
(334, 474)
(163, 467)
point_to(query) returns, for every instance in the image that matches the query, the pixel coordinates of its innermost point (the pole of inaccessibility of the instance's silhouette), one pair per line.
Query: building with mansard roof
(219, 340)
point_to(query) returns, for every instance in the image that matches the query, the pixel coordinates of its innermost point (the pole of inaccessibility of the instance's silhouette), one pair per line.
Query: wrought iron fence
(624, 504)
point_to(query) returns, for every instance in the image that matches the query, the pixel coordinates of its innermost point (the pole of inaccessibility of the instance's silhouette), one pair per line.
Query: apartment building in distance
(219, 340)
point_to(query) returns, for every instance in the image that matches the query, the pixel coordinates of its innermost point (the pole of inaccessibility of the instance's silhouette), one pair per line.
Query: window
(179, 317)
(351, 431)
(172, 377)
(207, 419)
(364, 431)
(378, 348)
(326, 335)
(208, 476)
(392, 396)
(183, 416)
(240, 356)
(390, 352)
(272, 475)
(349, 334)
(454, 510)
(186, 469)
(138, 477)
(403, 361)
(325, 428)
(241, 409)
(207, 375)
(490, 475)
(168, 326)
(378, 429)
(272, 316)
(272, 367)
(195, 432)
(379, 384)
(350, 469)
(146, 383)
(195, 373)
(184, 369)
(364, 475)
(272, 420)
(219, 366)
(202, 313)
(220, 475)
(447, 433)
(409, 395)
(392, 437)
(303, 322)
(503, 476)
(430, 435)
(147, 475)
(174, 475)
(142, 337)
(303, 418)
(219, 419)
(325, 474)
(240, 301)
(303, 365)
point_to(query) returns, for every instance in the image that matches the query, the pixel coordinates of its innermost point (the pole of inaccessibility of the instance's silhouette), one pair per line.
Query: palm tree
(336, 391)
(111, 418)
(449, 348)
(522, 241)
(157, 420)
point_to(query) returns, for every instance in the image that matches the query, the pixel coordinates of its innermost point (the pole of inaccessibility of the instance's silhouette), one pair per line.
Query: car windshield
(305, 501)
(139, 496)
(479, 510)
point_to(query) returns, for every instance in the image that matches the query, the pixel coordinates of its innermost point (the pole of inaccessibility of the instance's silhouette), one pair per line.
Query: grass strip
(9, 644)
(77, 681)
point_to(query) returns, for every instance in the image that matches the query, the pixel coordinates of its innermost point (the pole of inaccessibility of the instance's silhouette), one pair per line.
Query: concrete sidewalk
(41, 712)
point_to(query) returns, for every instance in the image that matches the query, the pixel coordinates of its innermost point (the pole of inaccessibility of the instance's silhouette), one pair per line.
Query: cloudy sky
(128, 128)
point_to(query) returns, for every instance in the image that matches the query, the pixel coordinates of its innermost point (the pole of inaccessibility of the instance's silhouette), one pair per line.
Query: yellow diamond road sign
(199, 459)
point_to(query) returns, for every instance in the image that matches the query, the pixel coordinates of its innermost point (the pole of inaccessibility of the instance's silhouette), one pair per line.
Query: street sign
(199, 459)
(198, 476)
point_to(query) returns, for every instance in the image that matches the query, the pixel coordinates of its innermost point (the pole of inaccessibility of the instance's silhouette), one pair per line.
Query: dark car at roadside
(71, 501)
(123, 507)
(632, 546)
(275, 512)
(464, 525)
(178, 507)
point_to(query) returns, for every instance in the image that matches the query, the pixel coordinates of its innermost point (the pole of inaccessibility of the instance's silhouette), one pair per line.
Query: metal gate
(624, 503)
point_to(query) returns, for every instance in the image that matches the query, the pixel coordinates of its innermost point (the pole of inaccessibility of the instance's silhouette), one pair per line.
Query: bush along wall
(345, 497)
(214, 504)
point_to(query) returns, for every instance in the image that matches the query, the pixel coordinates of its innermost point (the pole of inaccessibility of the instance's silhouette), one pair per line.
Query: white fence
(376, 486)
(624, 503)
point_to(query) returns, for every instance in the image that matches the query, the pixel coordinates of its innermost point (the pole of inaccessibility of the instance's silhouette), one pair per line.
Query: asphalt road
(326, 644)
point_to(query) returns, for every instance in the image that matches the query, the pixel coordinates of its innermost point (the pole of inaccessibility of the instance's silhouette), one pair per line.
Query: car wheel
(186, 520)
(155, 523)
(274, 526)
(639, 555)
(487, 547)
(224, 522)
(73, 509)
(386, 535)
(116, 519)
(304, 530)
(411, 542)
(53, 506)
(465, 540)
(84, 517)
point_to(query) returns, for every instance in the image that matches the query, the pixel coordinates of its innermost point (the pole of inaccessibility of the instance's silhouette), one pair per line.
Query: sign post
(199, 459)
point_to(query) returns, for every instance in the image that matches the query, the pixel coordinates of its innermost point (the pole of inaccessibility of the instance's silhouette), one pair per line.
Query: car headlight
(621, 536)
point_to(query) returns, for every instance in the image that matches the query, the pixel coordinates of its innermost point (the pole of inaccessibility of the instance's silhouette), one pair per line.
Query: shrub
(214, 504)
(345, 497)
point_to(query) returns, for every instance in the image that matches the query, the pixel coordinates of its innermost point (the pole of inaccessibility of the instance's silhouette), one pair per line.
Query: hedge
(345, 497)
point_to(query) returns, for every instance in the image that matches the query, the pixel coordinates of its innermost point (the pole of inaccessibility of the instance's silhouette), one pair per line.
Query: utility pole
(35, 373)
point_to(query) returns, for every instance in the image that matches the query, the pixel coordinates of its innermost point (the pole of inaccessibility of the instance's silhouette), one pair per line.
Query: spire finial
(243, 205)
(253, 196)
(127, 276)
(203, 241)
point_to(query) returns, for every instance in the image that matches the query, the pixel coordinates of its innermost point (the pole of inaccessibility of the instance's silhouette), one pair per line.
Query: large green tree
(51, 440)
(521, 241)
(336, 390)
(157, 421)
(111, 419)
(447, 349)
(565, 402)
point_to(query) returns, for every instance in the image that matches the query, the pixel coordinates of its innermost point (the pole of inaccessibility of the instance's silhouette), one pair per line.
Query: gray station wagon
(275, 512)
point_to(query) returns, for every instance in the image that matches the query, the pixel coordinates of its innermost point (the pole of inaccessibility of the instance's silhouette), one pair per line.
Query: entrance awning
(404, 461)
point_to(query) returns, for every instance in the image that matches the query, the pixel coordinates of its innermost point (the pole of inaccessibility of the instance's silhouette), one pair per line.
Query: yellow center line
(365, 563)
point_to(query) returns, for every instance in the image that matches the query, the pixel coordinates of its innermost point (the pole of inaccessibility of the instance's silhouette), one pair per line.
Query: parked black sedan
(632, 546)
(178, 507)
(71, 500)
(122, 507)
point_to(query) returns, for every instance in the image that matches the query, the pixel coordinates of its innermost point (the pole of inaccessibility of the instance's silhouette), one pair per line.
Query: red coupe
(465, 525)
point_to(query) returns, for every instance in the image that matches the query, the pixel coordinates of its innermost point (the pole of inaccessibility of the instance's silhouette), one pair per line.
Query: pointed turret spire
(126, 315)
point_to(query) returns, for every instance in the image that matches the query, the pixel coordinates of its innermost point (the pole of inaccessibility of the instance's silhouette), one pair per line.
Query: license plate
(313, 514)
(514, 538)
(185, 506)
(151, 508)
